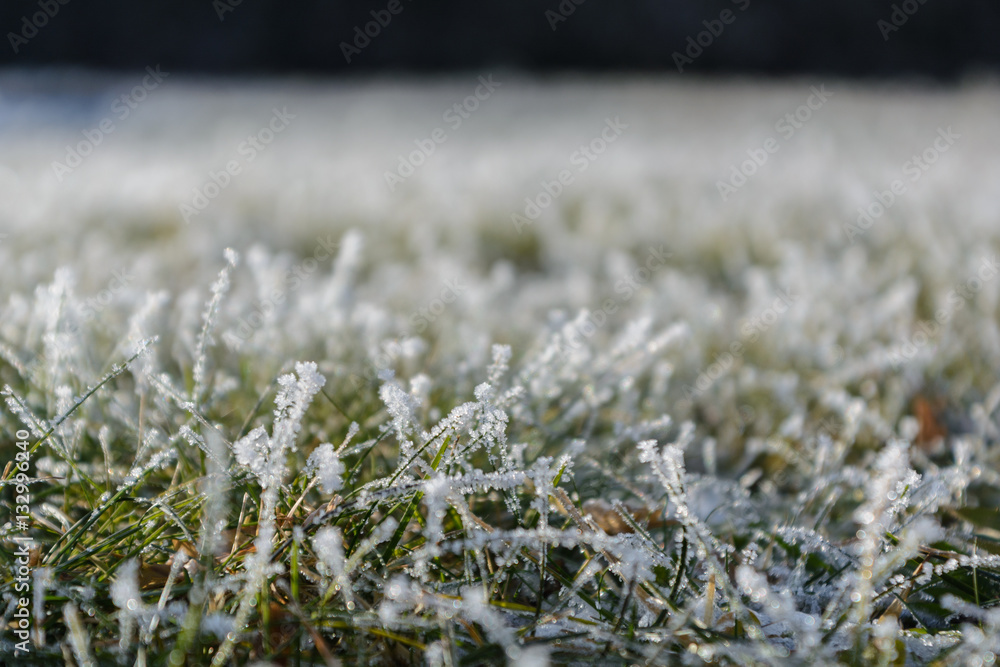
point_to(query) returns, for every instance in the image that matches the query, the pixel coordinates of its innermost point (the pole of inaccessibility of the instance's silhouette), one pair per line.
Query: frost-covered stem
(42, 581)
(887, 495)
(180, 559)
(78, 636)
(257, 575)
(219, 289)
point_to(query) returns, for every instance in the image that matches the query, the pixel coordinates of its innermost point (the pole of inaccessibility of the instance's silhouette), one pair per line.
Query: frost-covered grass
(328, 423)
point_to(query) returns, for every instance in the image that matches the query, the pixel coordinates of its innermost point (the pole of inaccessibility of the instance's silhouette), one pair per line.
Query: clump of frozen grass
(538, 500)
(265, 456)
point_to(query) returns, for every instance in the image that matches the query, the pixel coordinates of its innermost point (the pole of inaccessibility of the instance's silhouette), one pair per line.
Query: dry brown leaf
(926, 413)
(611, 522)
(153, 575)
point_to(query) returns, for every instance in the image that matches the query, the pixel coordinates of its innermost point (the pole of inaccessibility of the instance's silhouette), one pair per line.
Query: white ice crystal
(253, 450)
(326, 467)
(401, 407)
(125, 594)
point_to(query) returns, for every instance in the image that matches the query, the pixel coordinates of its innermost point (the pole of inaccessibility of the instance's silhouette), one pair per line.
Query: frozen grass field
(578, 372)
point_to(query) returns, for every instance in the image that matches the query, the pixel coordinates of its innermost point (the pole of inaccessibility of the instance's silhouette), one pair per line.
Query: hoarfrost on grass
(533, 471)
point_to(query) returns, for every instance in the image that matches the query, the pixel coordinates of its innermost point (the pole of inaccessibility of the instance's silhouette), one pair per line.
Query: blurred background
(748, 137)
(931, 38)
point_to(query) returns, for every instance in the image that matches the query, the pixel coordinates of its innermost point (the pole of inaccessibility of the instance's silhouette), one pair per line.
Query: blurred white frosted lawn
(656, 184)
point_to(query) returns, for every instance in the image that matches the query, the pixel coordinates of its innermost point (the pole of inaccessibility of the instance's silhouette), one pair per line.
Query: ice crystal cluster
(325, 422)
